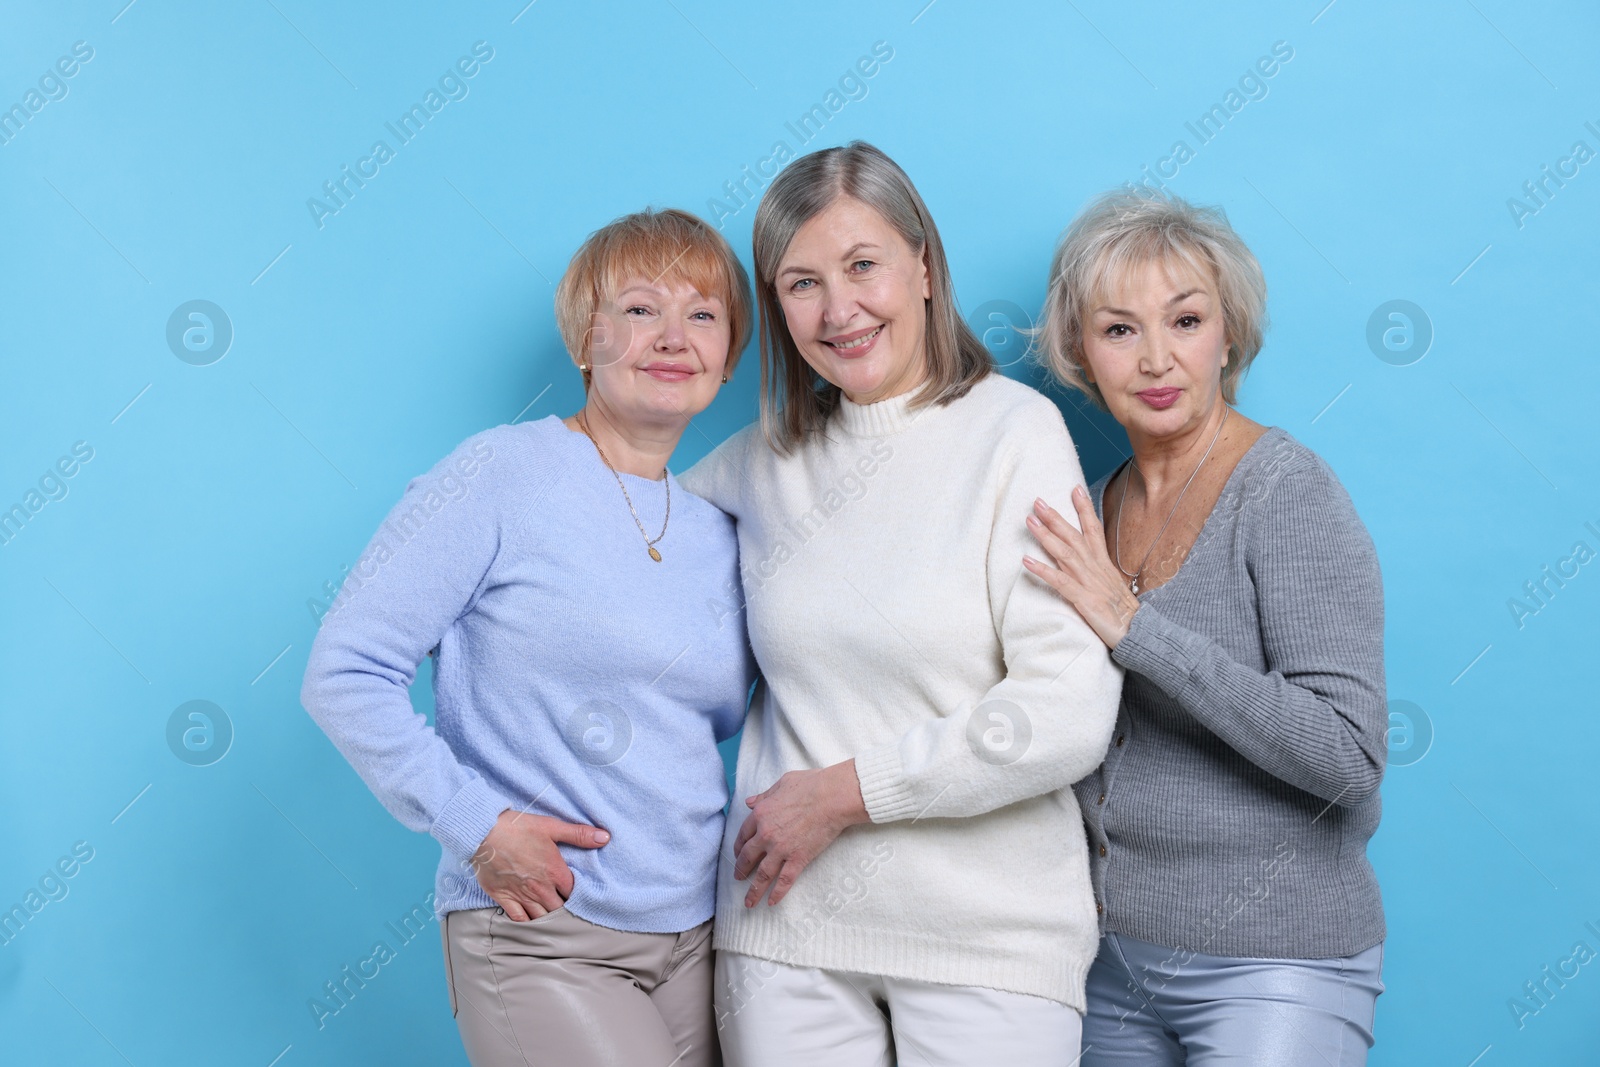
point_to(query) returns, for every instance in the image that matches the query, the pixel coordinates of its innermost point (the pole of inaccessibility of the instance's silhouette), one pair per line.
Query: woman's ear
(927, 275)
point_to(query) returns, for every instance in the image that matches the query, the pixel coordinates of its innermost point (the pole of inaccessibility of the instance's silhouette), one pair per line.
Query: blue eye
(801, 284)
(862, 264)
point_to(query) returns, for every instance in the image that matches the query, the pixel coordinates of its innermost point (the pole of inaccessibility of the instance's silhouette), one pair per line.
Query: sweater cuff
(1159, 649)
(467, 819)
(884, 790)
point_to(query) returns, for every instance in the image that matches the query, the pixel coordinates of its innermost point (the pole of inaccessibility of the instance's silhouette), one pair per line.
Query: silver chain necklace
(1123, 499)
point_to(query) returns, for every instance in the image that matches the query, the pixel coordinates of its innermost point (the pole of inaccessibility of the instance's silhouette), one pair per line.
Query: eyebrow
(639, 287)
(849, 254)
(1175, 300)
(659, 293)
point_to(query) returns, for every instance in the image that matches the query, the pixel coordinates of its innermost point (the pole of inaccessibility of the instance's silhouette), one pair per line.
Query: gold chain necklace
(649, 542)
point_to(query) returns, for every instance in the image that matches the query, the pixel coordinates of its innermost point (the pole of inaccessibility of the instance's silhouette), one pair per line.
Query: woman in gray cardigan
(1232, 578)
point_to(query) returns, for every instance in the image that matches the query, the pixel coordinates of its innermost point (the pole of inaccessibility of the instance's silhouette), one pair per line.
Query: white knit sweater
(894, 623)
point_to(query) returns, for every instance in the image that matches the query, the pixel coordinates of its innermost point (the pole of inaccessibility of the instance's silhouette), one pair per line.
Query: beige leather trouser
(558, 991)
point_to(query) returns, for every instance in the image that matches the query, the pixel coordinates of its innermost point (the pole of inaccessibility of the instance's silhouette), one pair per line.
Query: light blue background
(180, 563)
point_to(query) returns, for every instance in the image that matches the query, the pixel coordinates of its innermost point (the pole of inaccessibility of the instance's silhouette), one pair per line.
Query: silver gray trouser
(558, 991)
(1151, 1006)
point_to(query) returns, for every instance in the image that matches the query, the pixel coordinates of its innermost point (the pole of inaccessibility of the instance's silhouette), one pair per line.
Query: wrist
(498, 825)
(848, 806)
(1126, 607)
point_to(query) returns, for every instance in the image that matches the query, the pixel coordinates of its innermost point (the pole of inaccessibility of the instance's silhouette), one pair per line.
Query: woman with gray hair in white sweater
(905, 873)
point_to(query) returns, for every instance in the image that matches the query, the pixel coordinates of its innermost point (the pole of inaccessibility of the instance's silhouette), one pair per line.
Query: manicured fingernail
(601, 836)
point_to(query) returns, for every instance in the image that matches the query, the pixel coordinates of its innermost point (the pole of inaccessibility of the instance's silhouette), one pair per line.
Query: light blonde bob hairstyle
(795, 400)
(1118, 234)
(669, 245)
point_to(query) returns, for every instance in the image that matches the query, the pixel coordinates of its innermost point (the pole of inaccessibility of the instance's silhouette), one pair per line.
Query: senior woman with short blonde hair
(1233, 580)
(571, 775)
(904, 779)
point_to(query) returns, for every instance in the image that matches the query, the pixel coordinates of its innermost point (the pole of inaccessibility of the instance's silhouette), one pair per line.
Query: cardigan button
(1099, 908)
(1102, 799)
(1120, 739)
(1102, 850)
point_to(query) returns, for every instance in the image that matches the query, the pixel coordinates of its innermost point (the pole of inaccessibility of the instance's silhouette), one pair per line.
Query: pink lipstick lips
(855, 345)
(668, 372)
(1160, 399)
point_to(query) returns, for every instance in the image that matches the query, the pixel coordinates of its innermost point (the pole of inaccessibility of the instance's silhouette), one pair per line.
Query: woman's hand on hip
(520, 867)
(1083, 573)
(790, 824)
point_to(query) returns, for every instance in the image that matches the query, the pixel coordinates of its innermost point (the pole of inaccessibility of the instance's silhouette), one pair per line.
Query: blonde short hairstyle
(669, 245)
(1119, 233)
(795, 400)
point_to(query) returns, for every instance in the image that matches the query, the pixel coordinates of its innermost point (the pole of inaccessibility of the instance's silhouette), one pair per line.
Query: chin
(689, 402)
(860, 377)
(1140, 416)
(860, 381)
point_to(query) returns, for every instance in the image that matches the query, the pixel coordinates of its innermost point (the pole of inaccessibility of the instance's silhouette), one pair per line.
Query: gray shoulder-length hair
(1120, 232)
(795, 400)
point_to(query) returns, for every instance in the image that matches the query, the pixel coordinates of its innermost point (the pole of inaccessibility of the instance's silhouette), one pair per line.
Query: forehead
(662, 257)
(671, 286)
(840, 227)
(1118, 279)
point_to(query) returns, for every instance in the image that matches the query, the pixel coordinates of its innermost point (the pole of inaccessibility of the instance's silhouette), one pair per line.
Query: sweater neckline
(1247, 460)
(878, 419)
(583, 451)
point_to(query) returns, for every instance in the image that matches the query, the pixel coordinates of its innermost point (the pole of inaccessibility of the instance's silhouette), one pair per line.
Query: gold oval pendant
(654, 554)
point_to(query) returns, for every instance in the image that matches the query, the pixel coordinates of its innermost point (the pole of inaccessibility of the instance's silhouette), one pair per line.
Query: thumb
(571, 833)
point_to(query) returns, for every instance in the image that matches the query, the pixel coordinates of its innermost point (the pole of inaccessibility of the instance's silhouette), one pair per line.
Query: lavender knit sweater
(576, 677)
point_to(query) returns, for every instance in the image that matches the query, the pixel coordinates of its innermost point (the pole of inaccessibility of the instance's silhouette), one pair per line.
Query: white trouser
(773, 1015)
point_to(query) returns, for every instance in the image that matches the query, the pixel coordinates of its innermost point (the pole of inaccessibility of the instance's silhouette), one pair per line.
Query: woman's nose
(672, 336)
(838, 308)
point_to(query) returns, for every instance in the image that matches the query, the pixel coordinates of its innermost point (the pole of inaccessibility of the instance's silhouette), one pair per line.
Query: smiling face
(657, 352)
(854, 296)
(1155, 345)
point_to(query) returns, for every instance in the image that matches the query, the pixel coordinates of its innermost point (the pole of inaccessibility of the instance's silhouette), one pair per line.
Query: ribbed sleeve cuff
(469, 816)
(884, 790)
(1159, 649)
